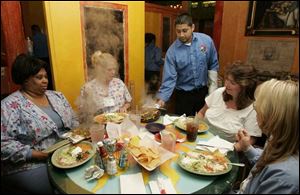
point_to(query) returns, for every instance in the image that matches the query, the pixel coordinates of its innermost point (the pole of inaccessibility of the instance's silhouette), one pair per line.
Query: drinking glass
(97, 133)
(136, 119)
(168, 140)
(191, 131)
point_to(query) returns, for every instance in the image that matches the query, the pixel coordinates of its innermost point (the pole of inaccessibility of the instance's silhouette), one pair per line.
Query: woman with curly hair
(229, 108)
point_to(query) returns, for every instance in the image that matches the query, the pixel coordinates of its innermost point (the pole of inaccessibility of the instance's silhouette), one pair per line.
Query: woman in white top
(230, 108)
(104, 93)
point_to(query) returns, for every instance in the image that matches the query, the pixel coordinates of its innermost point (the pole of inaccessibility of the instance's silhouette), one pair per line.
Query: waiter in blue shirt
(191, 66)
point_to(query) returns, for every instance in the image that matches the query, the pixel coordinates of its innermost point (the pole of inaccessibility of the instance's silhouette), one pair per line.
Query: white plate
(201, 172)
(110, 117)
(181, 124)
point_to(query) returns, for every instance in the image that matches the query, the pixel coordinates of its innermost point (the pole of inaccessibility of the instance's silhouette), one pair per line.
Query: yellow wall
(65, 40)
(234, 43)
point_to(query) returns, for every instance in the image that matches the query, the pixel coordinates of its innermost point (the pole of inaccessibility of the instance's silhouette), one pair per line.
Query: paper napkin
(215, 143)
(132, 184)
(160, 184)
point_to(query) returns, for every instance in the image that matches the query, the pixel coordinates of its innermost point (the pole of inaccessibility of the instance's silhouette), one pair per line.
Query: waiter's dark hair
(184, 18)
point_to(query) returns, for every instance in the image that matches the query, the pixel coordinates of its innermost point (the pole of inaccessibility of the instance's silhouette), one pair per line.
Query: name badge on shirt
(108, 102)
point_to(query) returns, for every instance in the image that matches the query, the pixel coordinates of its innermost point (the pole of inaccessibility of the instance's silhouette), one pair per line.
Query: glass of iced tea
(191, 131)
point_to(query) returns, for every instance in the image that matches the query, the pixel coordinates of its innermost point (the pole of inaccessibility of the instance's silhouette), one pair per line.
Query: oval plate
(150, 115)
(189, 169)
(203, 127)
(116, 117)
(57, 153)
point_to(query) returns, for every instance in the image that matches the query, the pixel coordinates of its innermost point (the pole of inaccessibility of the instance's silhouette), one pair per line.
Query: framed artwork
(104, 28)
(273, 18)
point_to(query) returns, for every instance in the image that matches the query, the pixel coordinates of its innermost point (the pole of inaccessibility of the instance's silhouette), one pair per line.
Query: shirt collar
(179, 43)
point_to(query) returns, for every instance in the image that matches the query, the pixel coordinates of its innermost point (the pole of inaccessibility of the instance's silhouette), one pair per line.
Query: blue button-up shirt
(153, 57)
(186, 66)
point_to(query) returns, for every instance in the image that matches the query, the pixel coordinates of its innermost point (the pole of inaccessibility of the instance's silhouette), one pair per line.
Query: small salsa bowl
(155, 127)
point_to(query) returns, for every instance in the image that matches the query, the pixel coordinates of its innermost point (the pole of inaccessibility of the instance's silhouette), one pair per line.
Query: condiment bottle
(123, 161)
(111, 167)
(99, 161)
(103, 153)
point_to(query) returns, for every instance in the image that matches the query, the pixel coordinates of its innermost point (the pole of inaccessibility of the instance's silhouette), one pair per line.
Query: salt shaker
(111, 168)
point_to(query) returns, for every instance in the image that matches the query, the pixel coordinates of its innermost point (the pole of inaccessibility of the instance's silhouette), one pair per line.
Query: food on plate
(202, 126)
(84, 132)
(150, 115)
(179, 137)
(204, 162)
(148, 157)
(74, 154)
(181, 123)
(110, 117)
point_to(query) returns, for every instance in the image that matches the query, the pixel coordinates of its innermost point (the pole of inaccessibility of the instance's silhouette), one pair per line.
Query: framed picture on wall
(104, 28)
(273, 18)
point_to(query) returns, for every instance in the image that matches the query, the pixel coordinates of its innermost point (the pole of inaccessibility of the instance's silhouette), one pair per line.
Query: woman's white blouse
(226, 121)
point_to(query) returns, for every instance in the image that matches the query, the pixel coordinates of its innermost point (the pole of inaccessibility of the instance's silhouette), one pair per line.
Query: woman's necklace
(38, 100)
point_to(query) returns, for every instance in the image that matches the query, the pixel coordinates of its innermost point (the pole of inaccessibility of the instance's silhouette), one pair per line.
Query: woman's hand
(202, 112)
(124, 108)
(38, 155)
(243, 141)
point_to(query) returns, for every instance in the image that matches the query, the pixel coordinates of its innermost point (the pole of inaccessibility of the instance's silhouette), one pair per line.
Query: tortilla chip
(154, 163)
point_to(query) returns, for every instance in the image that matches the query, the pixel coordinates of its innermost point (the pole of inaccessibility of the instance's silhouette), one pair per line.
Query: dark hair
(35, 28)
(149, 37)
(25, 66)
(245, 76)
(184, 18)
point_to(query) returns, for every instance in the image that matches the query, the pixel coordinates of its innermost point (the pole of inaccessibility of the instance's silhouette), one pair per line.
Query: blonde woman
(105, 93)
(277, 166)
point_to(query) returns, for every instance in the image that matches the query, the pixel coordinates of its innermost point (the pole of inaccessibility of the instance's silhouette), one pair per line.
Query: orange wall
(153, 24)
(234, 43)
(32, 13)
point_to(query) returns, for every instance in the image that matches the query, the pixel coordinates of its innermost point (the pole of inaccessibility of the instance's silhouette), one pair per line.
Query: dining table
(72, 180)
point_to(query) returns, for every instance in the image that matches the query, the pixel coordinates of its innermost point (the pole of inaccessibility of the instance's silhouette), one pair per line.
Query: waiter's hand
(161, 103)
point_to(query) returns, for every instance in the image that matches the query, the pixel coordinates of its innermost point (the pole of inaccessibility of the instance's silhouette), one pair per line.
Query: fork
(236, 164)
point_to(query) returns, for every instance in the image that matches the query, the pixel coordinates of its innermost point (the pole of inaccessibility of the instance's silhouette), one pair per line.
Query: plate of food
(150, 115)
(147, 157)
(179, 137)
(148, 153)
(181, 124)
(205, 162)
(77, 135)
(116, 117)
(73, 155)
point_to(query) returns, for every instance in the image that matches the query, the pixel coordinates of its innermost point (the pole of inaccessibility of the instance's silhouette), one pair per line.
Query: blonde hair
(101, 62)
(277, 108)
(104, 61)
